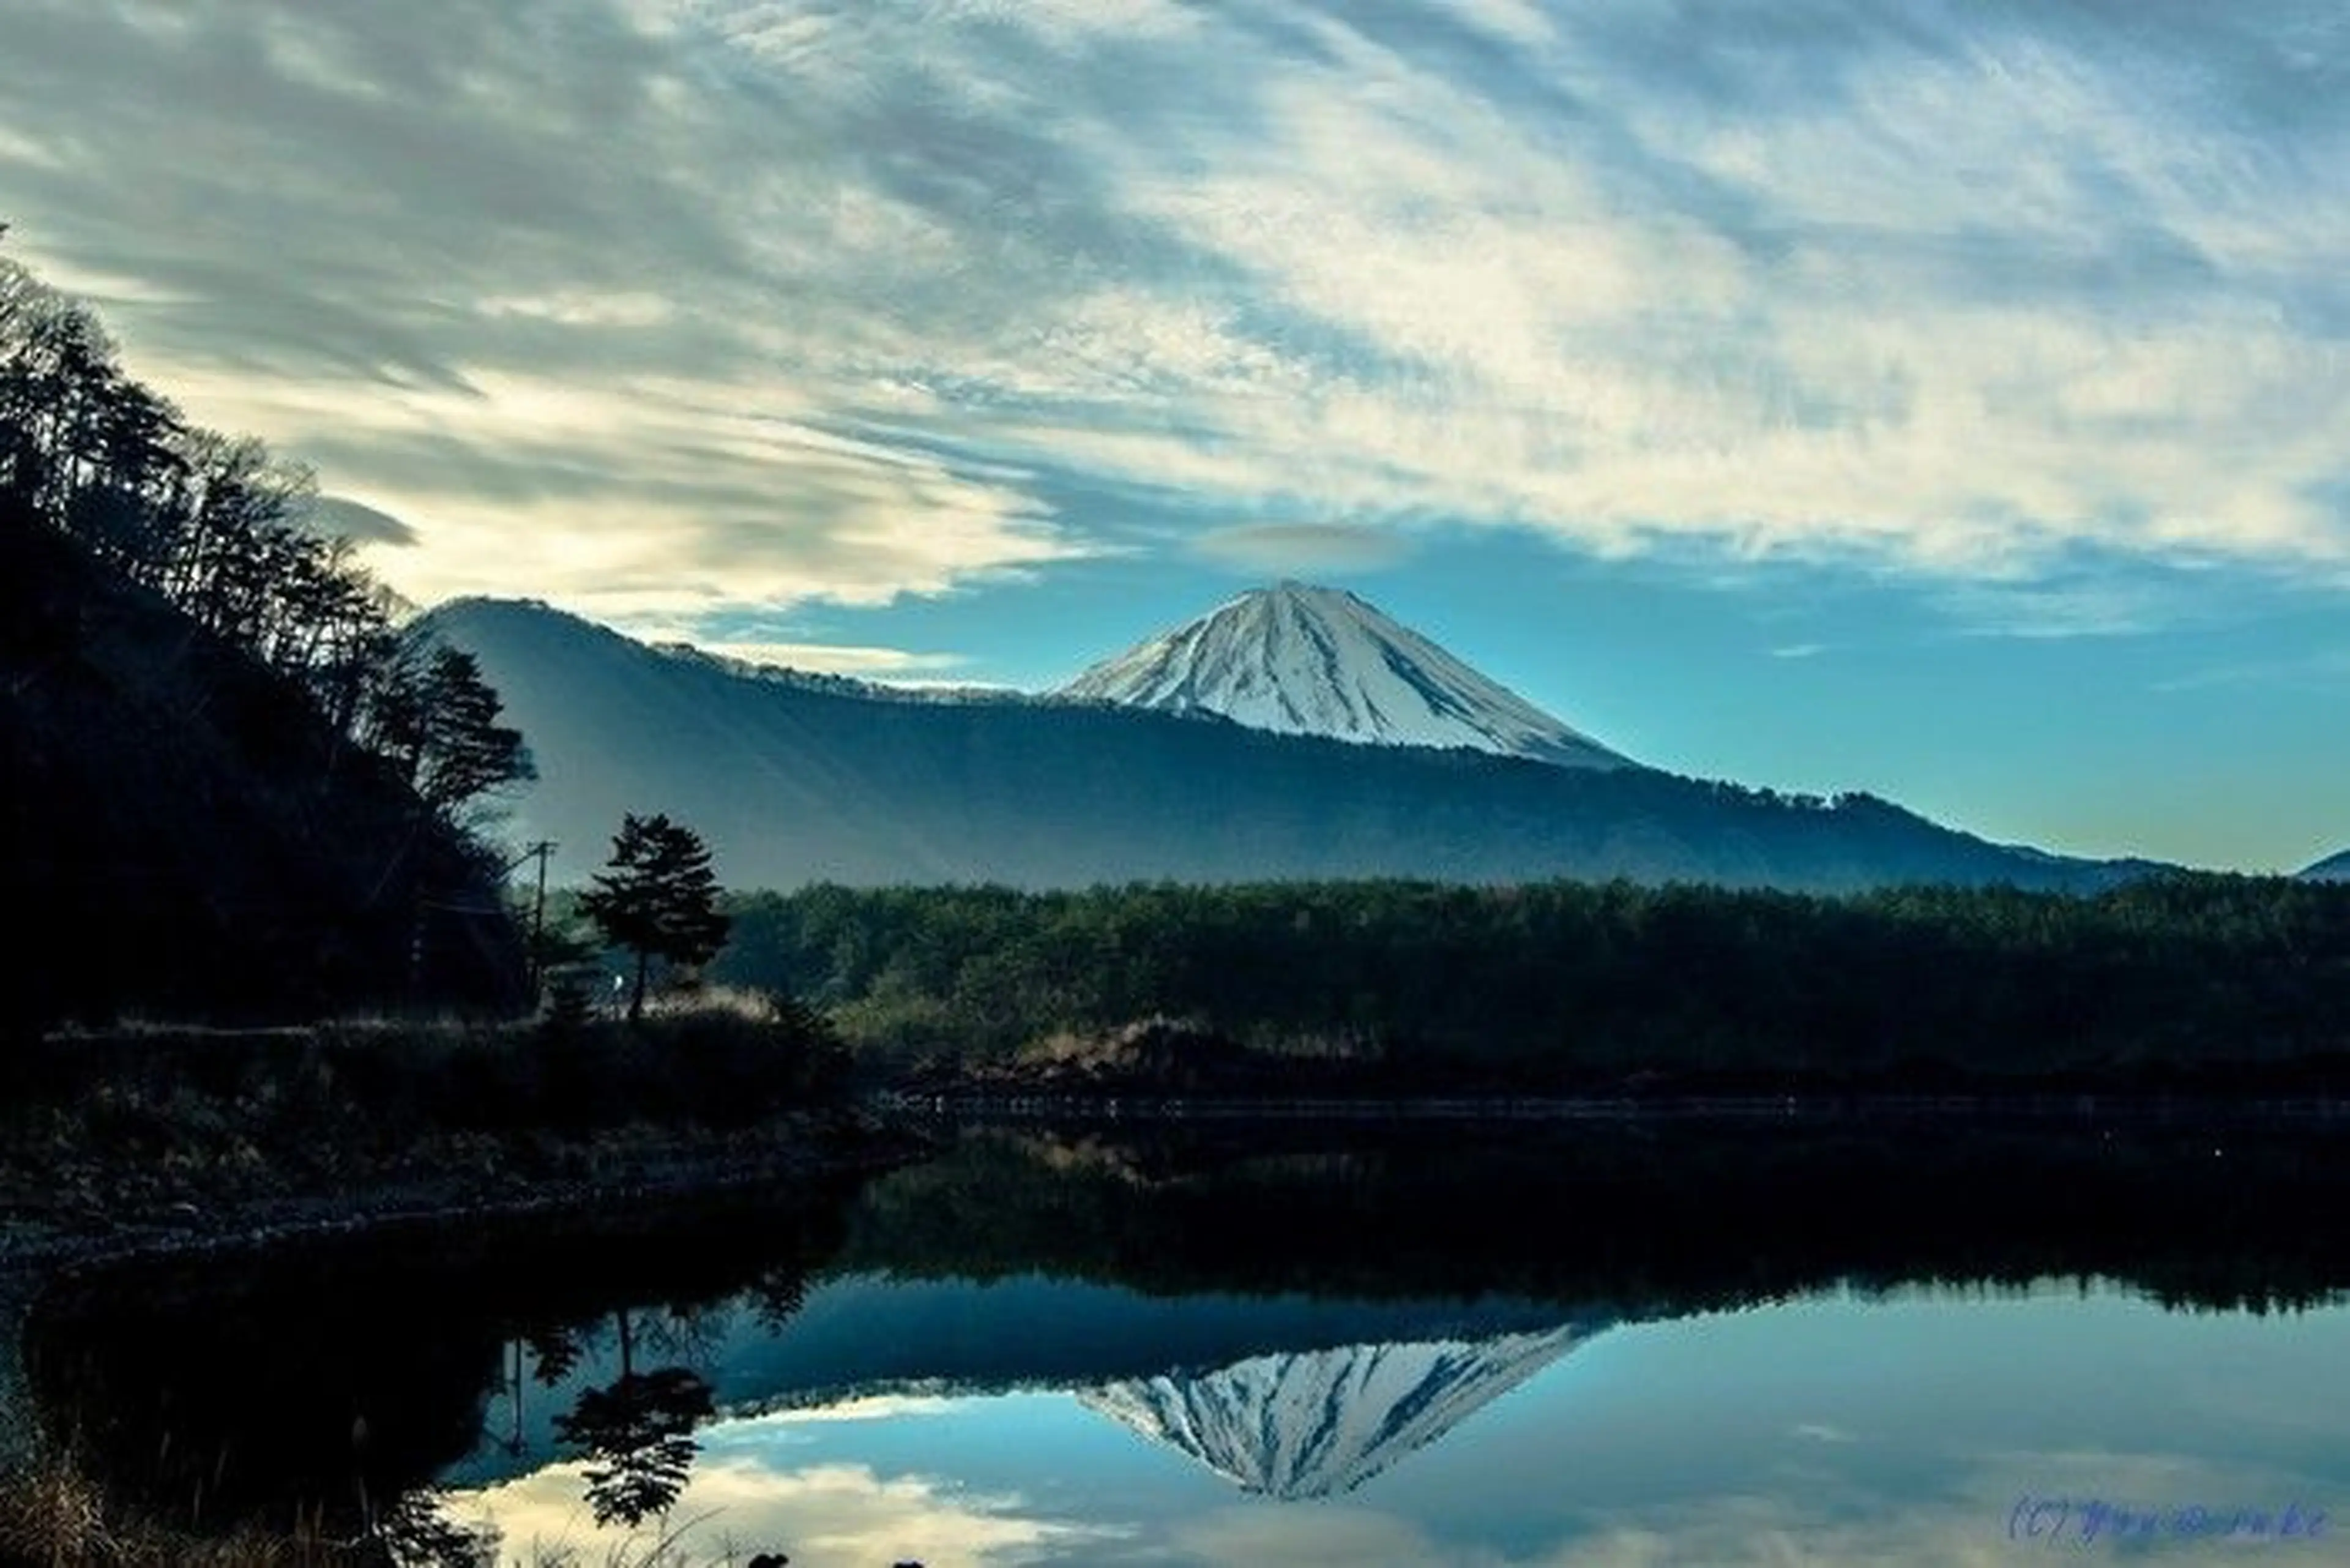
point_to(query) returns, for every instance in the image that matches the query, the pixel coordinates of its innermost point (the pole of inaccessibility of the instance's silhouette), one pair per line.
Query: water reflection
(1841, 1428)
(1316, 1423)
(1608, 1345)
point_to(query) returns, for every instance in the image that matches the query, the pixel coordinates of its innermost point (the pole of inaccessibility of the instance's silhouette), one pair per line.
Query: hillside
(186, 836)
(792, 782)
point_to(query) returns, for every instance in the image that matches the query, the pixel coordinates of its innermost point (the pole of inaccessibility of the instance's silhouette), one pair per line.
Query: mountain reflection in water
(1042, 1349)
(1315, 1423)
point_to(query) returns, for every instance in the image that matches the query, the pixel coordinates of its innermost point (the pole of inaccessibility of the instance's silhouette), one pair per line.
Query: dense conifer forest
(2204, 982)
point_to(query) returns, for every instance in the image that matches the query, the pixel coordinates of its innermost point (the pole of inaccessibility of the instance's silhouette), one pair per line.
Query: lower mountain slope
(184, 836)
(792, 782)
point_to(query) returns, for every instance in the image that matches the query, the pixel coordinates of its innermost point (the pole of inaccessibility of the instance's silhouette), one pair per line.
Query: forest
(2199, 981)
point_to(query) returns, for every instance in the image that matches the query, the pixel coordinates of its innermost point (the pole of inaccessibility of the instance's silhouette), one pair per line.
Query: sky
(1949, 399)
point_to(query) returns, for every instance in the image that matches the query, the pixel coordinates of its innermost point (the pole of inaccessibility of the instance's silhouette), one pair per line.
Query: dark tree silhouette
(286, 651)
(658, 899)
(438, 719)
(224, 531)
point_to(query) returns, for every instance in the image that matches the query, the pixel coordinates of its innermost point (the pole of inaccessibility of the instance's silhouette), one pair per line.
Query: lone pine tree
(658, 899)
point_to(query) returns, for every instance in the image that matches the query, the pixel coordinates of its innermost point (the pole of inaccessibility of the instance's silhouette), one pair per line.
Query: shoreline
(1811, 1107)
(887, 1129)
(680, 1168)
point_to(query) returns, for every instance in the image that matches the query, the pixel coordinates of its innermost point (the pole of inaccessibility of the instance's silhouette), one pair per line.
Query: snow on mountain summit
(1320, 662)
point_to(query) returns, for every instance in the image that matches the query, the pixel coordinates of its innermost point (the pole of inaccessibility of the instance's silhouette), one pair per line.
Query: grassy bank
(194, 1129)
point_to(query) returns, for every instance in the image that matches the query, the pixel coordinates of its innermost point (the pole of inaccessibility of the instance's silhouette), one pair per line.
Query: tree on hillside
(468, 753)
(658, 899)
(437, 718)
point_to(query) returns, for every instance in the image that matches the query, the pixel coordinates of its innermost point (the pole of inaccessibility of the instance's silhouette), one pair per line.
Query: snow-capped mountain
(1321, 1422)
(2332, 868)
(1305, 660)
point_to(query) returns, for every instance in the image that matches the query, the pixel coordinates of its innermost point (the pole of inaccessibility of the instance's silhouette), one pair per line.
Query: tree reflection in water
(637, 1433)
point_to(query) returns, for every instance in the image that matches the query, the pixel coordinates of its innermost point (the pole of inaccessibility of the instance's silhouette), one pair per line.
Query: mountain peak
(1300, 659)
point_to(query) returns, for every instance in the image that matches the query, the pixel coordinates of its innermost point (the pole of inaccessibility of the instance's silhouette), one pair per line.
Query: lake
(1620, 1343)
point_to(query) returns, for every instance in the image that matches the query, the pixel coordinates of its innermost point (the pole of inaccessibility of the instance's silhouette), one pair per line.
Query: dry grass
(54, 1516)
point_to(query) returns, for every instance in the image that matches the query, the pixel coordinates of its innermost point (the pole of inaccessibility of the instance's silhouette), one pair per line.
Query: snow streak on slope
(1319, 661)
(1322, 1422)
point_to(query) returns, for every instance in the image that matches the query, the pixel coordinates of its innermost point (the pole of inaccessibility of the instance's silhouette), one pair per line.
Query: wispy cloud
(2324, 669)
(825, 658)
(1281, 548)
(665, 307)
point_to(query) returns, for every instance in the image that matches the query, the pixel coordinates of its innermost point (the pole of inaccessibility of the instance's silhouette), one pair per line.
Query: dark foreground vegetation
(2178, 984)
(237, 785)
(102, 1133)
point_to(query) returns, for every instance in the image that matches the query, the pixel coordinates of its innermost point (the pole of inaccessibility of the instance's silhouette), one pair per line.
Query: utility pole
(540, 850)
(543, 848)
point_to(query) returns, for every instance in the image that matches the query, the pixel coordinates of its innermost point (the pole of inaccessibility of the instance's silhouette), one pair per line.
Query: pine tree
(658, 899)
(468, 754)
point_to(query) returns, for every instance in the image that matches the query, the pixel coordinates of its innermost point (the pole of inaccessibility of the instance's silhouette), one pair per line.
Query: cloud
(341, 517)
(673, 306)
(1281, 548)
(2054, 611)
(836, 658)
(2325, 671)
(890, 664)
(739, 1503)
(754, 1430)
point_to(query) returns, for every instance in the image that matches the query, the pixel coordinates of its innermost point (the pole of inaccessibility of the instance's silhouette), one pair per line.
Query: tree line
(1571, 985)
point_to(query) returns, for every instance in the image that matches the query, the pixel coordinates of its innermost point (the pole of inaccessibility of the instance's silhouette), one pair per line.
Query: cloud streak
(684, 308)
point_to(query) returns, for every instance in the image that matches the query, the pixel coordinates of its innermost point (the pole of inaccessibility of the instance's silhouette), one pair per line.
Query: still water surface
(1555, 1349)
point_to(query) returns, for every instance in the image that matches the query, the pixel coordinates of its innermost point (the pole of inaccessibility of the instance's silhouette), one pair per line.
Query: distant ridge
(1303, 660)
(838, 685)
